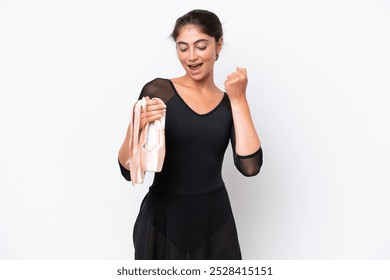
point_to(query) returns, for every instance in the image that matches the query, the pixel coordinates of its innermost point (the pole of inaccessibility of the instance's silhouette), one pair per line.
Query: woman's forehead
(191, 32)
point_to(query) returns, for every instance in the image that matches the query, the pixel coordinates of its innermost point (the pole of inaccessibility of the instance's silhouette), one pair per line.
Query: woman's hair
(207, 21)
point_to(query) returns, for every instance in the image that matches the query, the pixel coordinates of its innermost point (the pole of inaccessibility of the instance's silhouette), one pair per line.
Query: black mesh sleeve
(125, 172)
(248, 165)
(158, 87)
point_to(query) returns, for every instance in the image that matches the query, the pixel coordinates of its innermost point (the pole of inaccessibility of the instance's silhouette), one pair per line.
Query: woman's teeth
(195, 66)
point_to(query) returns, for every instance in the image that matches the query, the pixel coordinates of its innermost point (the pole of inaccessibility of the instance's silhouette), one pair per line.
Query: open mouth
(195, 66)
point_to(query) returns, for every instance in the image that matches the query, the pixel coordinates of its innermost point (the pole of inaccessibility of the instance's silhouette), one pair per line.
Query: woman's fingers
(151, 114)
(236, 83)
(149, 119)
(154, 105)
(154, 111)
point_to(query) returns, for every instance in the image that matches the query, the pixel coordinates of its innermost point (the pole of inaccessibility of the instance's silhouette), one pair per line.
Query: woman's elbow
(250, 172)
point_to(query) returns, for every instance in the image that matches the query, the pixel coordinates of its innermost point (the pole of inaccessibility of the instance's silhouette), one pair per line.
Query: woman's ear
(218, 48)
(219, 45)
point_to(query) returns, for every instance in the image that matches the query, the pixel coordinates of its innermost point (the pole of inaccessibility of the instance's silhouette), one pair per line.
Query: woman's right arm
(154, 112)
(123, 154)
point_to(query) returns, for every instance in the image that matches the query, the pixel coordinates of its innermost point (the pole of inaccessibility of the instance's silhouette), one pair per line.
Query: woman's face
(197, 52)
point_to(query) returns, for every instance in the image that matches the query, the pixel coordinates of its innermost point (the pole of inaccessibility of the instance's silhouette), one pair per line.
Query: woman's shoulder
(157, 81)
(158, 87)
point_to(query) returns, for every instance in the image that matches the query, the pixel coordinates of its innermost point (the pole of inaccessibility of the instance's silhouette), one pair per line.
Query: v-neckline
(189, 107)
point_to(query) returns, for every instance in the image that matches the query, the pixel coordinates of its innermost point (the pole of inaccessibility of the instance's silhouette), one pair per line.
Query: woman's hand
(235, 84)
(154, 111)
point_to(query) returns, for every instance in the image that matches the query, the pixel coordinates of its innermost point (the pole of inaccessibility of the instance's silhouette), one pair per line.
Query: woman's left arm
(247, 141)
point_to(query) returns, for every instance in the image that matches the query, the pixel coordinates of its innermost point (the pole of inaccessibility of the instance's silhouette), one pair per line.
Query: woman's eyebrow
(196, 42)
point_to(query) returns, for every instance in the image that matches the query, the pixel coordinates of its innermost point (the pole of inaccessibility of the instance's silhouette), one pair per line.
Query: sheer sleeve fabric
(248, 165)
(160, 88)
(124, 171)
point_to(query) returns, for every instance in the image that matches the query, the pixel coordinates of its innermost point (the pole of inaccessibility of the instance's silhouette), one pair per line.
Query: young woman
(187, 214)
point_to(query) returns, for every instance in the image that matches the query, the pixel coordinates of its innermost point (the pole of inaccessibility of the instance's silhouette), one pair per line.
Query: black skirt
(176, 227)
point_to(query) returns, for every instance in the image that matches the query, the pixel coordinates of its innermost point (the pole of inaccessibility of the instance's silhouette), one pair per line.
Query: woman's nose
(193, 55)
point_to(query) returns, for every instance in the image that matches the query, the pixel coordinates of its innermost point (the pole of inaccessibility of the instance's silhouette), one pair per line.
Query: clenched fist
(235, 84)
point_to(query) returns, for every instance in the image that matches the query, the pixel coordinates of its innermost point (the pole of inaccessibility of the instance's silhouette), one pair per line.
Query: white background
(318, 89)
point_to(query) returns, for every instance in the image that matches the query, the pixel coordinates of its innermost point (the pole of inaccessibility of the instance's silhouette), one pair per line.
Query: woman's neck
(204, 86)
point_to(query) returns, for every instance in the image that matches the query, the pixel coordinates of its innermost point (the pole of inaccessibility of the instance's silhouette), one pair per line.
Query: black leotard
(186, 213)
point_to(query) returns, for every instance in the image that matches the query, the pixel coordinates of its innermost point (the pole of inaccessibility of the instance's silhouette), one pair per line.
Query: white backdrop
(318, 86)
